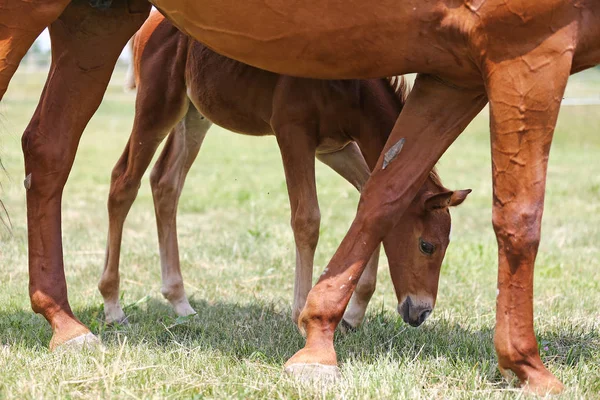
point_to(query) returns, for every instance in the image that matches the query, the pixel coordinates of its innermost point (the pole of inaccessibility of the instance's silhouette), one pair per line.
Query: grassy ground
(237, 258)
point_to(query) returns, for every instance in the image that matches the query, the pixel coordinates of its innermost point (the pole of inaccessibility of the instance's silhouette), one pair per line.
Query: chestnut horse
(515, 54)
(180, 82)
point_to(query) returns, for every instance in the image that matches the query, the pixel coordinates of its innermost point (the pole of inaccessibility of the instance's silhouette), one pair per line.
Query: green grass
(237, 259)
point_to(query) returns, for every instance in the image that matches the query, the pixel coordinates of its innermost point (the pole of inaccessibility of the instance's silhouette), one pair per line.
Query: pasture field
(237, 260)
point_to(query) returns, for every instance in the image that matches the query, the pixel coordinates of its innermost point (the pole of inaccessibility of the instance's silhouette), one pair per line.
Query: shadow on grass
(265, 333)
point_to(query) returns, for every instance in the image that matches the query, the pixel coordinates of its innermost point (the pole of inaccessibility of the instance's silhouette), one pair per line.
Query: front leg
(351, 165)
(85, 46)
(524, 105)
(434, 115)
(297, 145)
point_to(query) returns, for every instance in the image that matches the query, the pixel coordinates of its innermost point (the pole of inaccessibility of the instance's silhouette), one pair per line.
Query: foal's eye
(426, 247)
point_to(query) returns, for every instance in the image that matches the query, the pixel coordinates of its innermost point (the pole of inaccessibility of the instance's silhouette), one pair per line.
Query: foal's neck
(380, 107)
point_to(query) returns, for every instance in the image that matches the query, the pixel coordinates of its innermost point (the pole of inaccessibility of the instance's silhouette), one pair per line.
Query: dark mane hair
(398, 88)
(435, 178)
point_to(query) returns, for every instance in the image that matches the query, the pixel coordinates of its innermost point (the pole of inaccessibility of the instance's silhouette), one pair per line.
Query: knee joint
(41, 153)
(366, 289)
(517, 227)
(306, 223)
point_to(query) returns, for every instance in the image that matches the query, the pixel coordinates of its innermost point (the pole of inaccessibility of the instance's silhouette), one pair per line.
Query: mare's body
(516, 54)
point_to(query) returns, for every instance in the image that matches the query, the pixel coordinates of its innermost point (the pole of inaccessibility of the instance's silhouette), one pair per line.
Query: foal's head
(416, 248)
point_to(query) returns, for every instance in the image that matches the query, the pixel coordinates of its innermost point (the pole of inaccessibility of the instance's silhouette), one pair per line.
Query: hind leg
(155, 115)
(167, 180)
(20, 24)
(84, 55)
(350, 164)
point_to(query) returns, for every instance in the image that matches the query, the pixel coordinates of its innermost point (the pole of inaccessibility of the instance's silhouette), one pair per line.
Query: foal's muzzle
(414, 314)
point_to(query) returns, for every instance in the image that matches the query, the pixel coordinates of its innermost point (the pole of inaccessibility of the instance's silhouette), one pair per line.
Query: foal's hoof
(120, 321)
(346, 327)
(184, 309)
(314, 372)
(115, 316)
(88, 341)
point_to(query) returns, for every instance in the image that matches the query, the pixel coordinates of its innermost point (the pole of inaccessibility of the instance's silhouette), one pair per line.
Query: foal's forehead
(438, 221)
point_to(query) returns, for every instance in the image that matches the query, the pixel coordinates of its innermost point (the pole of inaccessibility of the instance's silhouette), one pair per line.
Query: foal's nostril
(404, 309)
(423, 316)
(413, 314)
(417, 317)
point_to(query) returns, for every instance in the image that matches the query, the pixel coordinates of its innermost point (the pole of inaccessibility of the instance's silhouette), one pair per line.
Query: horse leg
(85, 45)
(524, 106)
(156, 113)
(299, 165)
(350, 164)
(385, 197)
(20, 24)
(167, 180)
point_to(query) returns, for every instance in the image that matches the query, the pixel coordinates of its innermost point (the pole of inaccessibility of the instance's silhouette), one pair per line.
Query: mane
(398, 88)
(435, 178)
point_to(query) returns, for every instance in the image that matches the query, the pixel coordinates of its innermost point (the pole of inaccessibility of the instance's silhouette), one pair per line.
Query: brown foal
(180, 82)
(515, 54)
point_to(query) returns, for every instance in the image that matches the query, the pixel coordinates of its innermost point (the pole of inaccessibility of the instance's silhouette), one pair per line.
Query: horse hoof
(346, 327)
(120, 321)
(184, 309)
(544, 388)
(509, 376)
(314, 372)
(88, 341)
(540, 384)
(115, 316)
(543, 383)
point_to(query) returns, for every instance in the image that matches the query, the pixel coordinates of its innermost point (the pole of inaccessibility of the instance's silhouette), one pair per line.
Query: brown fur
(515, 54)
(180, 80)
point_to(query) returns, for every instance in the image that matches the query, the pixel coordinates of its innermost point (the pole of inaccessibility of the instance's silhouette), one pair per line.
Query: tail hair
(129, 85)
(4, 215)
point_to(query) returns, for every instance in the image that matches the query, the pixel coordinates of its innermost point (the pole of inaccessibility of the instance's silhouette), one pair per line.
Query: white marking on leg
(392, 153)
(27, 182)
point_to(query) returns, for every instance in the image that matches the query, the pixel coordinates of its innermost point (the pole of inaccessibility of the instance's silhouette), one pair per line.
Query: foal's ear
(458, 196)
(436, 201)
